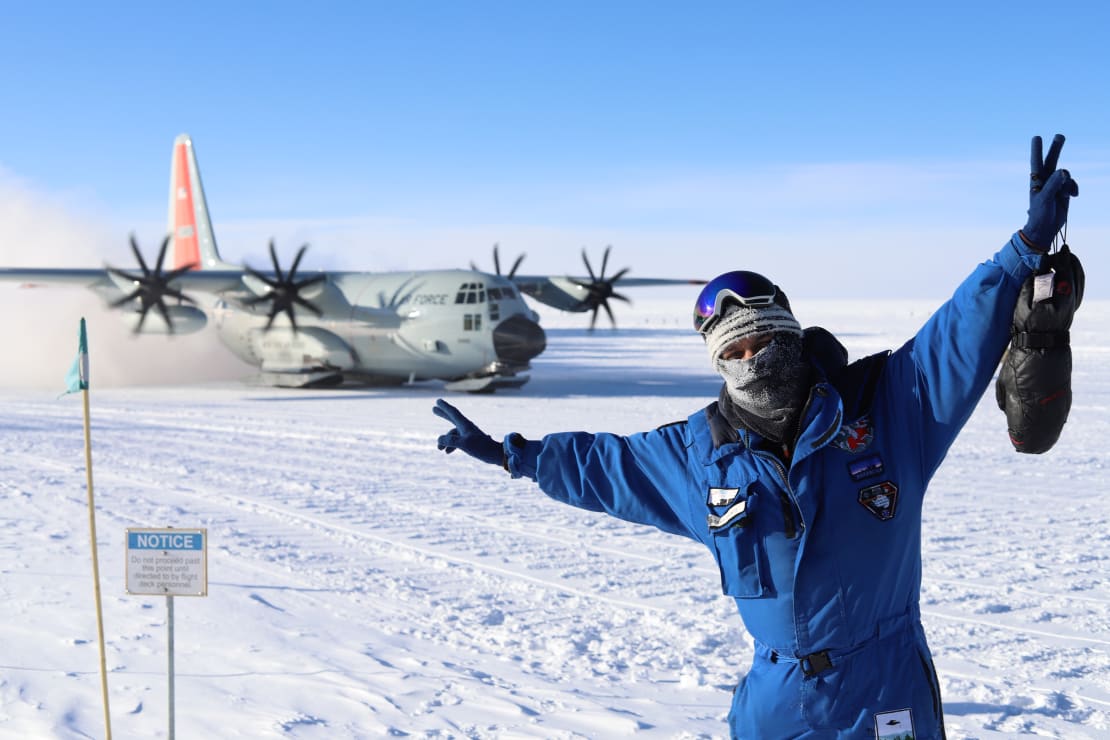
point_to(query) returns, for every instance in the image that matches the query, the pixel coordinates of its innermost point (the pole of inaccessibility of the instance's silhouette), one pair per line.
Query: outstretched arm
(641, 478)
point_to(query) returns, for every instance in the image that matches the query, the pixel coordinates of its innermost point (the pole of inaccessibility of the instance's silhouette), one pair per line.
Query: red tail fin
(186, 251)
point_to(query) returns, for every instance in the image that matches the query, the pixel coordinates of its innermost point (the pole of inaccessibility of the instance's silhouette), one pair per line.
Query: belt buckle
(815, 663)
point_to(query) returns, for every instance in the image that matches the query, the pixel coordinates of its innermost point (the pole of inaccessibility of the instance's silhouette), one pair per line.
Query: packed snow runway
(362, 584)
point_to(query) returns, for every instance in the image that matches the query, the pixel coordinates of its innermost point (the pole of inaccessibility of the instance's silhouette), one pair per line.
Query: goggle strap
(727, 294)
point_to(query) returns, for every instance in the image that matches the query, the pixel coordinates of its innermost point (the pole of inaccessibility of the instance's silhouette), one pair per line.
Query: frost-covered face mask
(769, 388)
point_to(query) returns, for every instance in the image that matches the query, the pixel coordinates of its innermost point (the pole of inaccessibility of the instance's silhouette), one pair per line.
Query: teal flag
(78, 377)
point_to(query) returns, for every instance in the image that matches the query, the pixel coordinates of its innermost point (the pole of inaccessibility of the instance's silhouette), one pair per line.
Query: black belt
(812, 665)
(817, 663)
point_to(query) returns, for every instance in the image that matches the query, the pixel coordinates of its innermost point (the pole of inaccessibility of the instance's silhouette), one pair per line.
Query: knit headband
(744, 321)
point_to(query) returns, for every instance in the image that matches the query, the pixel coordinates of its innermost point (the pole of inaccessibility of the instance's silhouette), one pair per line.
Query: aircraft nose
(517, 340)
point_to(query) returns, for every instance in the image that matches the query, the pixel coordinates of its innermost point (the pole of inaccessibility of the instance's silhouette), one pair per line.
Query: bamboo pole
(82, 367)
(96, 568)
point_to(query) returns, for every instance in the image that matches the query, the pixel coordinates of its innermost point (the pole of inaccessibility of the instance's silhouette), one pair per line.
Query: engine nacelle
(561, 293)
(185, 319)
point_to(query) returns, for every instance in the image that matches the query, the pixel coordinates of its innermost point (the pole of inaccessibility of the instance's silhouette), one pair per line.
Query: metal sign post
(169, 562)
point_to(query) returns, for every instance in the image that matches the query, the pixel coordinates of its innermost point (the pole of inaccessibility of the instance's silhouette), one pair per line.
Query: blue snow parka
(822, 554)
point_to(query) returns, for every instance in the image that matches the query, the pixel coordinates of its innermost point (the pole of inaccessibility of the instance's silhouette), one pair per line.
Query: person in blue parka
(805, 479)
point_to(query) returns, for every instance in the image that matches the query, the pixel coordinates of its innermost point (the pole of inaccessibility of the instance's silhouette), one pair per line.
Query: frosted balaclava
(764, 393)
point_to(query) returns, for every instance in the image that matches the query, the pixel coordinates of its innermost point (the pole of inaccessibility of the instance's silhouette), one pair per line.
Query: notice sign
(167, 562)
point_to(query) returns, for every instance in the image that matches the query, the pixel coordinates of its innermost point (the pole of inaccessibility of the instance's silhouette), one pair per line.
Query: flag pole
(82, 364)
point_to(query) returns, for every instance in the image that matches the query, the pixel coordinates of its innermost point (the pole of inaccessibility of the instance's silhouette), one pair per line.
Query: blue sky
(870, 148)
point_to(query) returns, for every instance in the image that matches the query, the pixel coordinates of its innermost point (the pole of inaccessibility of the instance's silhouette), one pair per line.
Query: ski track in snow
(362, 584)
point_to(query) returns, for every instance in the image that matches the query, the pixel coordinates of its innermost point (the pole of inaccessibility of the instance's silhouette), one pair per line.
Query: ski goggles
(741, 287)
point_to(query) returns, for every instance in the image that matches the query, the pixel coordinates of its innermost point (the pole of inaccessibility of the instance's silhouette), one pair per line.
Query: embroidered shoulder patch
(880, 499)
(855, 436)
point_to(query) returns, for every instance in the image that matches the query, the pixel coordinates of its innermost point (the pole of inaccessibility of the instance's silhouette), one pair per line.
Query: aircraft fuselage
(444, 324)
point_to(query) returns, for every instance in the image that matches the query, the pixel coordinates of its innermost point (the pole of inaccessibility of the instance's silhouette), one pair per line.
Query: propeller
(599, 289)
(284, 293)
(152, 286)
(497, 264)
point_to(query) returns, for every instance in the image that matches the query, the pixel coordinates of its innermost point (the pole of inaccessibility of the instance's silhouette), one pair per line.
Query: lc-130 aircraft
(471, 329)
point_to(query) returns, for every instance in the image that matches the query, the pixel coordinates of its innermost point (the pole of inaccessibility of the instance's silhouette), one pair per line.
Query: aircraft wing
(228, 284)
(234, 286)
(96, 278)
(530, 283)
(581, 294)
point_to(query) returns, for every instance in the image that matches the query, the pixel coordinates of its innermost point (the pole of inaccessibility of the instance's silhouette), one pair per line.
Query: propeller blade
(307, 304)
(255, 300)
(497, 263)
(165, 314)
(162, 254)
(142, 318)
(124, 275)
(604, 261)
(297, 260)
(516, 264)
(310, 281)
(175, 293)
(274, 259)
(612, 319)
(139, 255)
(126, 299)
(619, 275)
(590, 270)
(171, 276)
(264, 278)
(292, 317)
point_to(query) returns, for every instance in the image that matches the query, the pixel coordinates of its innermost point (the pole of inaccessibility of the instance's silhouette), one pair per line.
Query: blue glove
(466, 436)
(1049, 191)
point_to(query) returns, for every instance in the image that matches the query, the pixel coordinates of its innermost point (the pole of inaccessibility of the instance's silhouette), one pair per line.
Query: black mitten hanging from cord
(1034, 382)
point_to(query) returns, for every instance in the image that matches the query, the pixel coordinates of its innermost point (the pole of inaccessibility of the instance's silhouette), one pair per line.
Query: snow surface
(362, 584)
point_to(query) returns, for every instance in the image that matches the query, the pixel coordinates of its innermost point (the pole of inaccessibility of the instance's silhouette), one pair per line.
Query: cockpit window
(494, 293)
(471, 293)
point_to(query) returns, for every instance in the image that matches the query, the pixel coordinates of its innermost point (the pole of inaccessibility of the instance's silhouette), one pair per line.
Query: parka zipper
(791, 513)
(791, 523)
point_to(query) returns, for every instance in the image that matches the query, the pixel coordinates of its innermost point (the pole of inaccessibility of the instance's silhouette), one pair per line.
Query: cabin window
(471, 293)
(472, 322)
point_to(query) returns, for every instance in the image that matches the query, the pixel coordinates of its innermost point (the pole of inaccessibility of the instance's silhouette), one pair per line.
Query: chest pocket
(735, 543)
